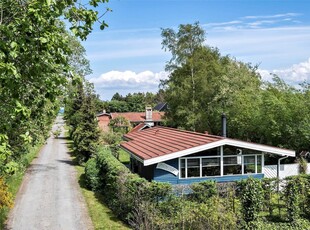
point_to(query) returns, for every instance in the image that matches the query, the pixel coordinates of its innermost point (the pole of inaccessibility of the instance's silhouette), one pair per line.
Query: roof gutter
(278, 170)
(279, 164)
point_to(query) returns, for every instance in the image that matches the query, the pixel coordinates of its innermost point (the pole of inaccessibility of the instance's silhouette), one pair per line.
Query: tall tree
(211, 82)
(183, 46)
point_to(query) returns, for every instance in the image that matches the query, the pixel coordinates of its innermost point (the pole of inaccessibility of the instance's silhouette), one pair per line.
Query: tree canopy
(38, 58)
(203, 84)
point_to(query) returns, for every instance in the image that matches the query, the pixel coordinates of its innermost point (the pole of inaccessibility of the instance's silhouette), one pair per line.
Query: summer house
(183, 157)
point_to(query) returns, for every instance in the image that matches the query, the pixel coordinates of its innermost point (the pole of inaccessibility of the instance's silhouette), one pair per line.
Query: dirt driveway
(49, 197)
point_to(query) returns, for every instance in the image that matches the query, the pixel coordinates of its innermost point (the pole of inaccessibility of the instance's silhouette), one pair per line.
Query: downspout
(278, 170)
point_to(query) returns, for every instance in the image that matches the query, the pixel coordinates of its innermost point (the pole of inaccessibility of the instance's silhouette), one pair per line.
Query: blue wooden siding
(164, 176)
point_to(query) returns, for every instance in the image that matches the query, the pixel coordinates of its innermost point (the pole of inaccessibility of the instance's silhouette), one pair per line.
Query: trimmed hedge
(152, 205)
(123, 190)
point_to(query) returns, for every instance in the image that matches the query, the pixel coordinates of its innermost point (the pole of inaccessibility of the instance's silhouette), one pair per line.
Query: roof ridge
(191, 132)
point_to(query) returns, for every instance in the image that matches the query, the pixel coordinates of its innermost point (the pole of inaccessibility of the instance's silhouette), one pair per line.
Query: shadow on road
(40, 168)
(69, 162)
(63, 138)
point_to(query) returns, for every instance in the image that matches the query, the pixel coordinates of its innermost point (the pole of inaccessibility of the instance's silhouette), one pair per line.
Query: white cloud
(272, 16)
(129, 79)
(253, 22)
(294, 75)
(126, 82)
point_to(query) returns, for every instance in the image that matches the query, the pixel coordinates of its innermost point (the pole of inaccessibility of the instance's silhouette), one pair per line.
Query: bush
(203, 191)
(293, 192)
(92, 175)
(251, 197)
(123, 190)
(6, 199)
(303, 165)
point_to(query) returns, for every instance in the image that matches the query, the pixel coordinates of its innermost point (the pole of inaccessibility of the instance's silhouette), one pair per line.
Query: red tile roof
(160, 141)
(138, 127)
(138, 117)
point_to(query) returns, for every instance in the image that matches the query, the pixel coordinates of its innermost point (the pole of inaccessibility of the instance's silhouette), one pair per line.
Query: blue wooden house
(183, 157)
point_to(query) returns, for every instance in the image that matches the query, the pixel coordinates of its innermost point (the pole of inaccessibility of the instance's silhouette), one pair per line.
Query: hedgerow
(153, 205)
(122, 189)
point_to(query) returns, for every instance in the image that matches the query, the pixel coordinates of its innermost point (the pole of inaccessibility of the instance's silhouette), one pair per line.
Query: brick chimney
(149, 116)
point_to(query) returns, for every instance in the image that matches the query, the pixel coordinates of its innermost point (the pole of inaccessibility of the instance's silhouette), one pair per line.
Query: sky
(127, 56)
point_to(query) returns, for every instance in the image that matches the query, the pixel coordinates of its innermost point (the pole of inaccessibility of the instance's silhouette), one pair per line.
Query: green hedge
(249, 204)
(123, 190)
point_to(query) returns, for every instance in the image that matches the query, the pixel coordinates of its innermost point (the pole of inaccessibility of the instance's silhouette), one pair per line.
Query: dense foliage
(135, 102)
(203, 84)
(251, 196)
(80, 115)
(37, 57)
(209, 205)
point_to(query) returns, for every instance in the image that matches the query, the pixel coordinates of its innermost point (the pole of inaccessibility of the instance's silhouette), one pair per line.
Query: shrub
(251, 197)
(269, 187)
(123, 190)
(6, 199)
(92, 175)
(203, 191)
(303, 165)
(293, 197)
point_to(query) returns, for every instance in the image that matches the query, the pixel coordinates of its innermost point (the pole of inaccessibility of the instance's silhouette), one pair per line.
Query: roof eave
(226, 141)
(132, 154)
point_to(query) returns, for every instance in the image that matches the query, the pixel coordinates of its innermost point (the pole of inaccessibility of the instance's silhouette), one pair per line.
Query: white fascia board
(260, 147)
(184, 152)
(236, 143)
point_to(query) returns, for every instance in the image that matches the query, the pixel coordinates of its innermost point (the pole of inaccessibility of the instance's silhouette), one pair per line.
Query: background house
(183, 157)
(149, 117)
(161, 107)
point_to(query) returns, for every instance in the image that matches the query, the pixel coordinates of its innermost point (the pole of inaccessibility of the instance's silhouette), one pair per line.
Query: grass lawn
(102, 217)
(124, 157)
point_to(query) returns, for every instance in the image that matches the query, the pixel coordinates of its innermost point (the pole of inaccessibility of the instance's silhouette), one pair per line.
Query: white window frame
(221, 157)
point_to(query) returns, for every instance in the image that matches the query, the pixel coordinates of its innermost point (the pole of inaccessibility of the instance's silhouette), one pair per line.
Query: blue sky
(127, 56)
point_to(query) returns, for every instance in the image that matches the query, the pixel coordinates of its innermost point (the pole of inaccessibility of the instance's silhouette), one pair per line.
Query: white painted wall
(286, 170)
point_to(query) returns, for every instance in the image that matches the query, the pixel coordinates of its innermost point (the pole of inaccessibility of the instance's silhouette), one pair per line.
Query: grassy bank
(15, 180)
(102, 217)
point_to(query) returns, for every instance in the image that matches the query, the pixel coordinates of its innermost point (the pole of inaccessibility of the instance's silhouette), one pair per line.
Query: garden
(248, 204)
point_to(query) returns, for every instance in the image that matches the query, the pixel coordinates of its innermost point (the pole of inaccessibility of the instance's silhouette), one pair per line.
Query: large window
(193, 167)
(232, 165)
(200, 167)
(249, 164)
(233, 161)
(211, 166)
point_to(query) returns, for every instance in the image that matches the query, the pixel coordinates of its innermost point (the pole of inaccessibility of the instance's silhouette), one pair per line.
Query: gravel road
(49, 197)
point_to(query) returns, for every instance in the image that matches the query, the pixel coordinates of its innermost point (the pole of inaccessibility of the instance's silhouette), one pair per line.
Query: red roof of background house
(138, 117)
(160, 141)
(138, 128)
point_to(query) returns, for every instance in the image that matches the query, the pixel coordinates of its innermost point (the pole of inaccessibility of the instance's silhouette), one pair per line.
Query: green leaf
(43, 40)
(13, 45)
